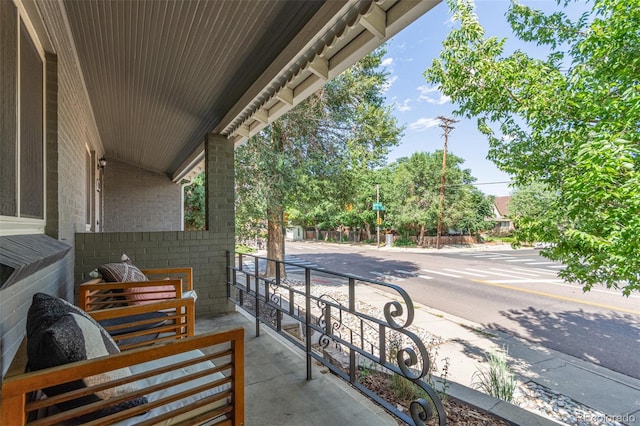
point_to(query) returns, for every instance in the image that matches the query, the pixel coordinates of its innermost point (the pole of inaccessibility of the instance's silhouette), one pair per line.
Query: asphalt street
(514, 291)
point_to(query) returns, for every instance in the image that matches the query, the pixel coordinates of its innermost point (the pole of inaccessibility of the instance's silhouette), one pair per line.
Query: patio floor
(276, 389)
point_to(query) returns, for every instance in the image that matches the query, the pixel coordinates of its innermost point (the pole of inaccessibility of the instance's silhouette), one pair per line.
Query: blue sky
(417, 104)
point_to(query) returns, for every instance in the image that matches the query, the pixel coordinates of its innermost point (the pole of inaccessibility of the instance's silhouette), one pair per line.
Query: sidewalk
(610, 396)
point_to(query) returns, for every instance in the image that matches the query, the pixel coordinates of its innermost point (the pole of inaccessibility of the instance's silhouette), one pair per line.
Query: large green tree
(413, 194)
(570, 120)
(309, 160)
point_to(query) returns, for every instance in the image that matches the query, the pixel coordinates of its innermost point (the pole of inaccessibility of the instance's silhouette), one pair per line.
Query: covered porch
(132, 100)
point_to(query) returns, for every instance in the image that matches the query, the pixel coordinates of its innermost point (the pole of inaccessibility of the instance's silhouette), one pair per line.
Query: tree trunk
(421, 236)
(275, 241)
(275, 213)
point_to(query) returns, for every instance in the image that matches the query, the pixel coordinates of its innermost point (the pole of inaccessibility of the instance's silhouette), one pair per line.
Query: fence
(321, 314)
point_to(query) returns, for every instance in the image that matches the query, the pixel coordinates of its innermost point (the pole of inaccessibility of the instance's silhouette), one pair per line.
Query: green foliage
(531, 208)
(569, 121)
(314, 159)
(194, 205)
(412, 194)
(497, 379)
(404, 242)
(241, 248)
(533, 201)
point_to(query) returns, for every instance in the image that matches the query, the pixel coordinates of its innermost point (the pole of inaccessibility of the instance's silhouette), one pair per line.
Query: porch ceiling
(162, 74)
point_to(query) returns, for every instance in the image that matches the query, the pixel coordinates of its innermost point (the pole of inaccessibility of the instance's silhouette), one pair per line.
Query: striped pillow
(121, 272)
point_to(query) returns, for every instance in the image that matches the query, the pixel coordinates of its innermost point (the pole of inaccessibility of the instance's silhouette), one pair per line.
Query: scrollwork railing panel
(383, 338)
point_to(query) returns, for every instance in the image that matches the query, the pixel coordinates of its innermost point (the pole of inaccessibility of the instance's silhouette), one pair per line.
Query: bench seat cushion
(168, 392)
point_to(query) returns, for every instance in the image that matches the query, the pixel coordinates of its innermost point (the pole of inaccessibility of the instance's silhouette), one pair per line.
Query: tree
(570, 121)
(413, 194)
(534, 201)
(476, 207)
(194, 204)
(311, 156)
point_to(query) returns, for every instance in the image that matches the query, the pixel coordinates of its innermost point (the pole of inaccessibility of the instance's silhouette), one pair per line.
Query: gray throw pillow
(59, 333)
(119, 272)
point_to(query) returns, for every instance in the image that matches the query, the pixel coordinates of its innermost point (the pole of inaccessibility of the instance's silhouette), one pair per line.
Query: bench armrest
(135, 327)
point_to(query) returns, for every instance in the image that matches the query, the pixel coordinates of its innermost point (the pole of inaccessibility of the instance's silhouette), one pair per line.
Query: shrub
(404, 242)
(497, 379)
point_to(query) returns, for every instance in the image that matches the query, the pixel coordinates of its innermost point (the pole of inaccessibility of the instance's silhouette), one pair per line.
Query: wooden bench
(186, 379)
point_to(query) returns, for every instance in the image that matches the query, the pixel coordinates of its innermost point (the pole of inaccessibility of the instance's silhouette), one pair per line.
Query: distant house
(504, 225)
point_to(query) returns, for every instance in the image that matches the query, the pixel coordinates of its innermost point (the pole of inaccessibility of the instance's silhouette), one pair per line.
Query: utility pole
(446, 126)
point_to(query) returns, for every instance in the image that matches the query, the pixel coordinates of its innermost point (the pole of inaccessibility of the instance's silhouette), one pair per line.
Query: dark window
(8, 102)
(31, 134)
(21, 123)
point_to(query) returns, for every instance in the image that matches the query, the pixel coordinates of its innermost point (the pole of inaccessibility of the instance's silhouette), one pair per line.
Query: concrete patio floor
(276, 389)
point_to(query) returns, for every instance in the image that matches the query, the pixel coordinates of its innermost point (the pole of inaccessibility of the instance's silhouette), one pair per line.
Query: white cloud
(404, 106)
(423, 124)
(432, 95)
(387, 62)
(387, 85)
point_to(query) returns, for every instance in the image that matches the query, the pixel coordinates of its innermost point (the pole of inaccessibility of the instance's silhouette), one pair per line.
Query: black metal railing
(319, 312)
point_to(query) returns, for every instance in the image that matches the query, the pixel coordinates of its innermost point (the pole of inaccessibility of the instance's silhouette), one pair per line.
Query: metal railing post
(307, 319)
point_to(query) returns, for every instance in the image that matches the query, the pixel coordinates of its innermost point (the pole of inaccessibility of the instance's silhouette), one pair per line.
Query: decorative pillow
(121, 271)
(59, 333)
(149, 294)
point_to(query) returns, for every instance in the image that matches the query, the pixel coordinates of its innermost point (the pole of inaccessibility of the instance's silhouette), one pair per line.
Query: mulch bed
(458, 413)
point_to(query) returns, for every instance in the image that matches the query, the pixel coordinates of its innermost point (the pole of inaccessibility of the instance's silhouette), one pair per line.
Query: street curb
(506, 411)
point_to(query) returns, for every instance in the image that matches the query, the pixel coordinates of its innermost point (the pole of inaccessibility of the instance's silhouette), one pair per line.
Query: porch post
(220, 218)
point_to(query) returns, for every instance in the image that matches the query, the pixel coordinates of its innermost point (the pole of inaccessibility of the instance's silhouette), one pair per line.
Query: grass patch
(241, 248)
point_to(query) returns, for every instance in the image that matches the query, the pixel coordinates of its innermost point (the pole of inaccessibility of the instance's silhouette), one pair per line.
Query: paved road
(516, 291)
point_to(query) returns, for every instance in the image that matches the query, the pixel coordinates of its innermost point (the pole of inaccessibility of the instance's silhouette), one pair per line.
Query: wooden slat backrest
(102, 295)
(16, 386)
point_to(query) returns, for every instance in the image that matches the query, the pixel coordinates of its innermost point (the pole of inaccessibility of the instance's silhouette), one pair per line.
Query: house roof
(162, 74)
(502, 204)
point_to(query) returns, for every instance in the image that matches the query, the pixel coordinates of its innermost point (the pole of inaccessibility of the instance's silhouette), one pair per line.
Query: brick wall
(75, 135)
(140, 200)
(204, 251)
(71, 132)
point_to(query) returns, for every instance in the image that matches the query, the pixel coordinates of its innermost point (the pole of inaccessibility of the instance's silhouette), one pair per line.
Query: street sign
(378, 206)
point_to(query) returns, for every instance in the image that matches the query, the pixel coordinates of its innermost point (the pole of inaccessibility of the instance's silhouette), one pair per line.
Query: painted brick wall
(220, 207)
(70, 132)
(76, 132)
(140, 200)
(204, 251)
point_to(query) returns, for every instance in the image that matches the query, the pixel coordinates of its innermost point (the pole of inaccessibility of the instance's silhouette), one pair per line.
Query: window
(22, 199)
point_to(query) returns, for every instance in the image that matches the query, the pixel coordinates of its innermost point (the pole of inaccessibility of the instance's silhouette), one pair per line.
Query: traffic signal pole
(378, 215)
